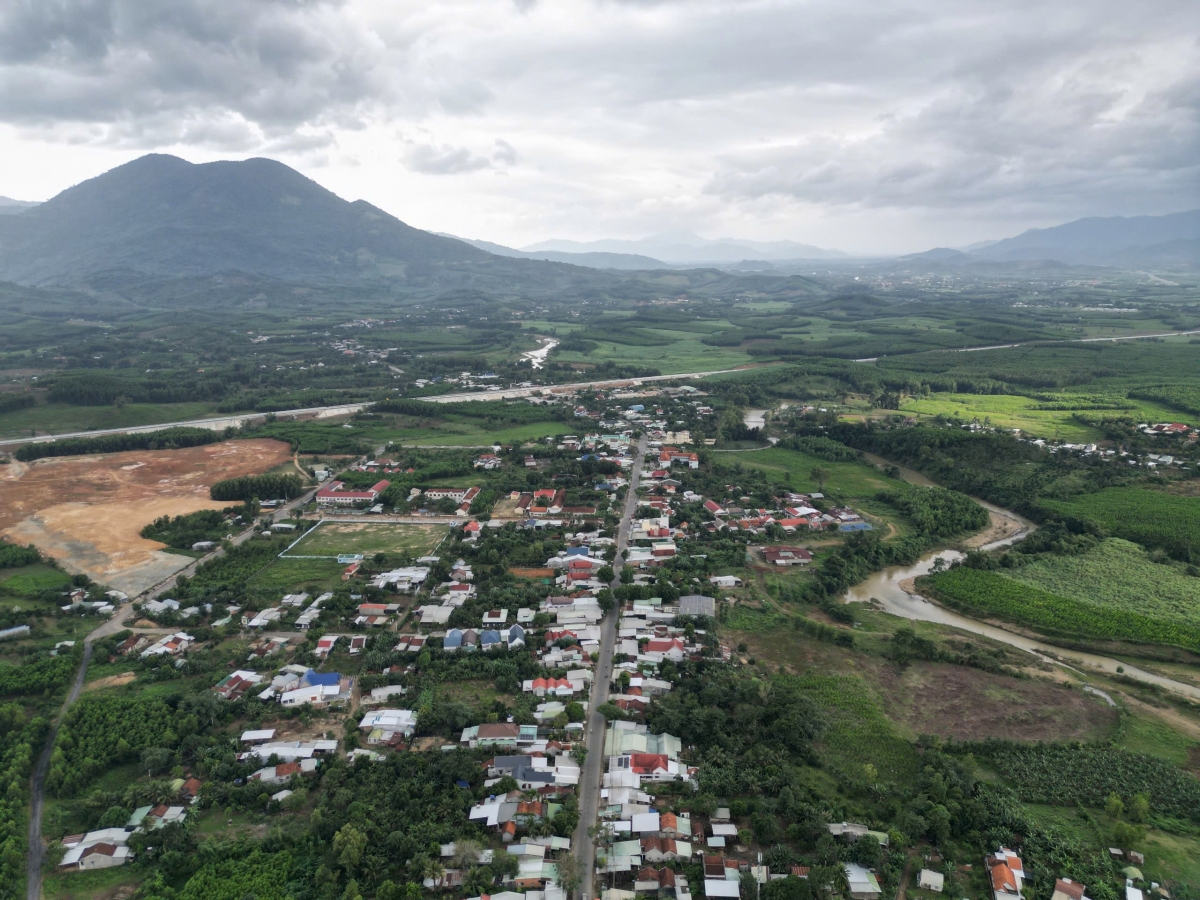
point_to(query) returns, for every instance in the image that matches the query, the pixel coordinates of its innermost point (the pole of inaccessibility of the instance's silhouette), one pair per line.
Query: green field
(1033, 416)
(30, 580)
(284, 576)
(1117, 574)
(992, 595)
(333, 538)
(1151, 518)
(847, 480)
(59, 418)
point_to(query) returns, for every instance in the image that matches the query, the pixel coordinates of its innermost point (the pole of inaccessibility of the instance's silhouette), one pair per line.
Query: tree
(1126, 835)
(569, 876)
(1114, 806)
(867, 851)
(1139, 808)
(820, 475)
(478, 880)
(575, 711)
(349, 844)
(156, 759)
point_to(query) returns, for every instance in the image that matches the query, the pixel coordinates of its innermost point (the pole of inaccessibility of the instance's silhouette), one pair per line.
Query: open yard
(87, 512)
(367, 538)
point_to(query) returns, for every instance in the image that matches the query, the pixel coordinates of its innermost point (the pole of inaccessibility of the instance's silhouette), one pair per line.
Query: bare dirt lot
(87, 511)
(955, 701)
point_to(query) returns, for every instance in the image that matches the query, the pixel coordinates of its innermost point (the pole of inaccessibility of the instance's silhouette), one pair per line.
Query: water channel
(891, 590)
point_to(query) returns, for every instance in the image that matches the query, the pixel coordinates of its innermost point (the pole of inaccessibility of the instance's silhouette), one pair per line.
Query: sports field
(367, 538)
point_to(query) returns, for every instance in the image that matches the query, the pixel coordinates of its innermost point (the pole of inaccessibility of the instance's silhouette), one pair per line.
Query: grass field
(57, 418)
(30, 580)
(847, 480)
(1151, 518)
(333, 538)
(1117, 574)
(284, 576)
(1030, 415)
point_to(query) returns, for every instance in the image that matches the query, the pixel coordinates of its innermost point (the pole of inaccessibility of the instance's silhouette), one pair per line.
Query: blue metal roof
(315, 678)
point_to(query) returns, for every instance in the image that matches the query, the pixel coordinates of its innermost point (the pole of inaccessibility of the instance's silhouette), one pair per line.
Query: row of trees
(251, 487)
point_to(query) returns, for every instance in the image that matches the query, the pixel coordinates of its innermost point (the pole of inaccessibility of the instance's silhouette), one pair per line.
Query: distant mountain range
(9, 207)
(1114, 241)
(163, 217)
(683, 247)
(591, 260)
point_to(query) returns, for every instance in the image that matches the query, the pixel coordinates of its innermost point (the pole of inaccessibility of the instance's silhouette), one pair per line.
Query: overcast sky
(866, 125)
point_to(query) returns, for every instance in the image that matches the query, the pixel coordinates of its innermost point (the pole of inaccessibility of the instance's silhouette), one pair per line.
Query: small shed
(931, 881)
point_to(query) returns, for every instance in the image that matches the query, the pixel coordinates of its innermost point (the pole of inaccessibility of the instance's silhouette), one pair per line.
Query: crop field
(1117, 574)
(25, 581)
(1066, 774)
(1052, 419)
(1151, 518)
(991, 595)
(87, 512)
(333, 538)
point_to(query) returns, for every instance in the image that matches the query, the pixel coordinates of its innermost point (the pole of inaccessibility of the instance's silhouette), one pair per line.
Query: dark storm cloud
(183, 70)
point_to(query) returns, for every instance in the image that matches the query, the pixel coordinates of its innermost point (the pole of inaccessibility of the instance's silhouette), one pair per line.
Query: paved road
(512, 393)
(589, 782)
(217, 424)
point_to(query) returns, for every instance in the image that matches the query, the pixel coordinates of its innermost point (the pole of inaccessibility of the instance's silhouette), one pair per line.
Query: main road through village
(593, 764)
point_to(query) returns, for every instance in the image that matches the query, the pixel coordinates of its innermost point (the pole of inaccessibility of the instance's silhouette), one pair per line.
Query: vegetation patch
(989, 594)
(1117, 574)
(1151, 518)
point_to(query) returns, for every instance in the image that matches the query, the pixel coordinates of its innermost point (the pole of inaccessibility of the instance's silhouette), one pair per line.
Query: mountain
(591, 260)
(685, 248)
(163, 216)
(1114, 241)
(10, 207)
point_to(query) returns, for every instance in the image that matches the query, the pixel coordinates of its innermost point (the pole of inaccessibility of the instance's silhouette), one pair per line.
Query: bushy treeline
(11, 402)
(166, 439)
(263, 487)
(936, 512)
(95, 389)
(13, 555)
(46, 673)
(19, 736)
(494, 412)
(820, 447)
(183, 531)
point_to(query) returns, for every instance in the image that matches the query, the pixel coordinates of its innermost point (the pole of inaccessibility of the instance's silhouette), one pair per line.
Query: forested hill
(163, 216)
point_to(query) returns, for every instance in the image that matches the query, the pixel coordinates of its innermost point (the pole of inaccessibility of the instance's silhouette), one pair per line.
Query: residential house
(862, 882)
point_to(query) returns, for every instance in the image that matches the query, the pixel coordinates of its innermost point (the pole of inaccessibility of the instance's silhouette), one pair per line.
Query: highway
(593, 765)
(216, 424)
(346, 409)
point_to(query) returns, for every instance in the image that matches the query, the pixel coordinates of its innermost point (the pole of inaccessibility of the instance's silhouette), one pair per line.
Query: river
(891, 590)
(537, 358)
